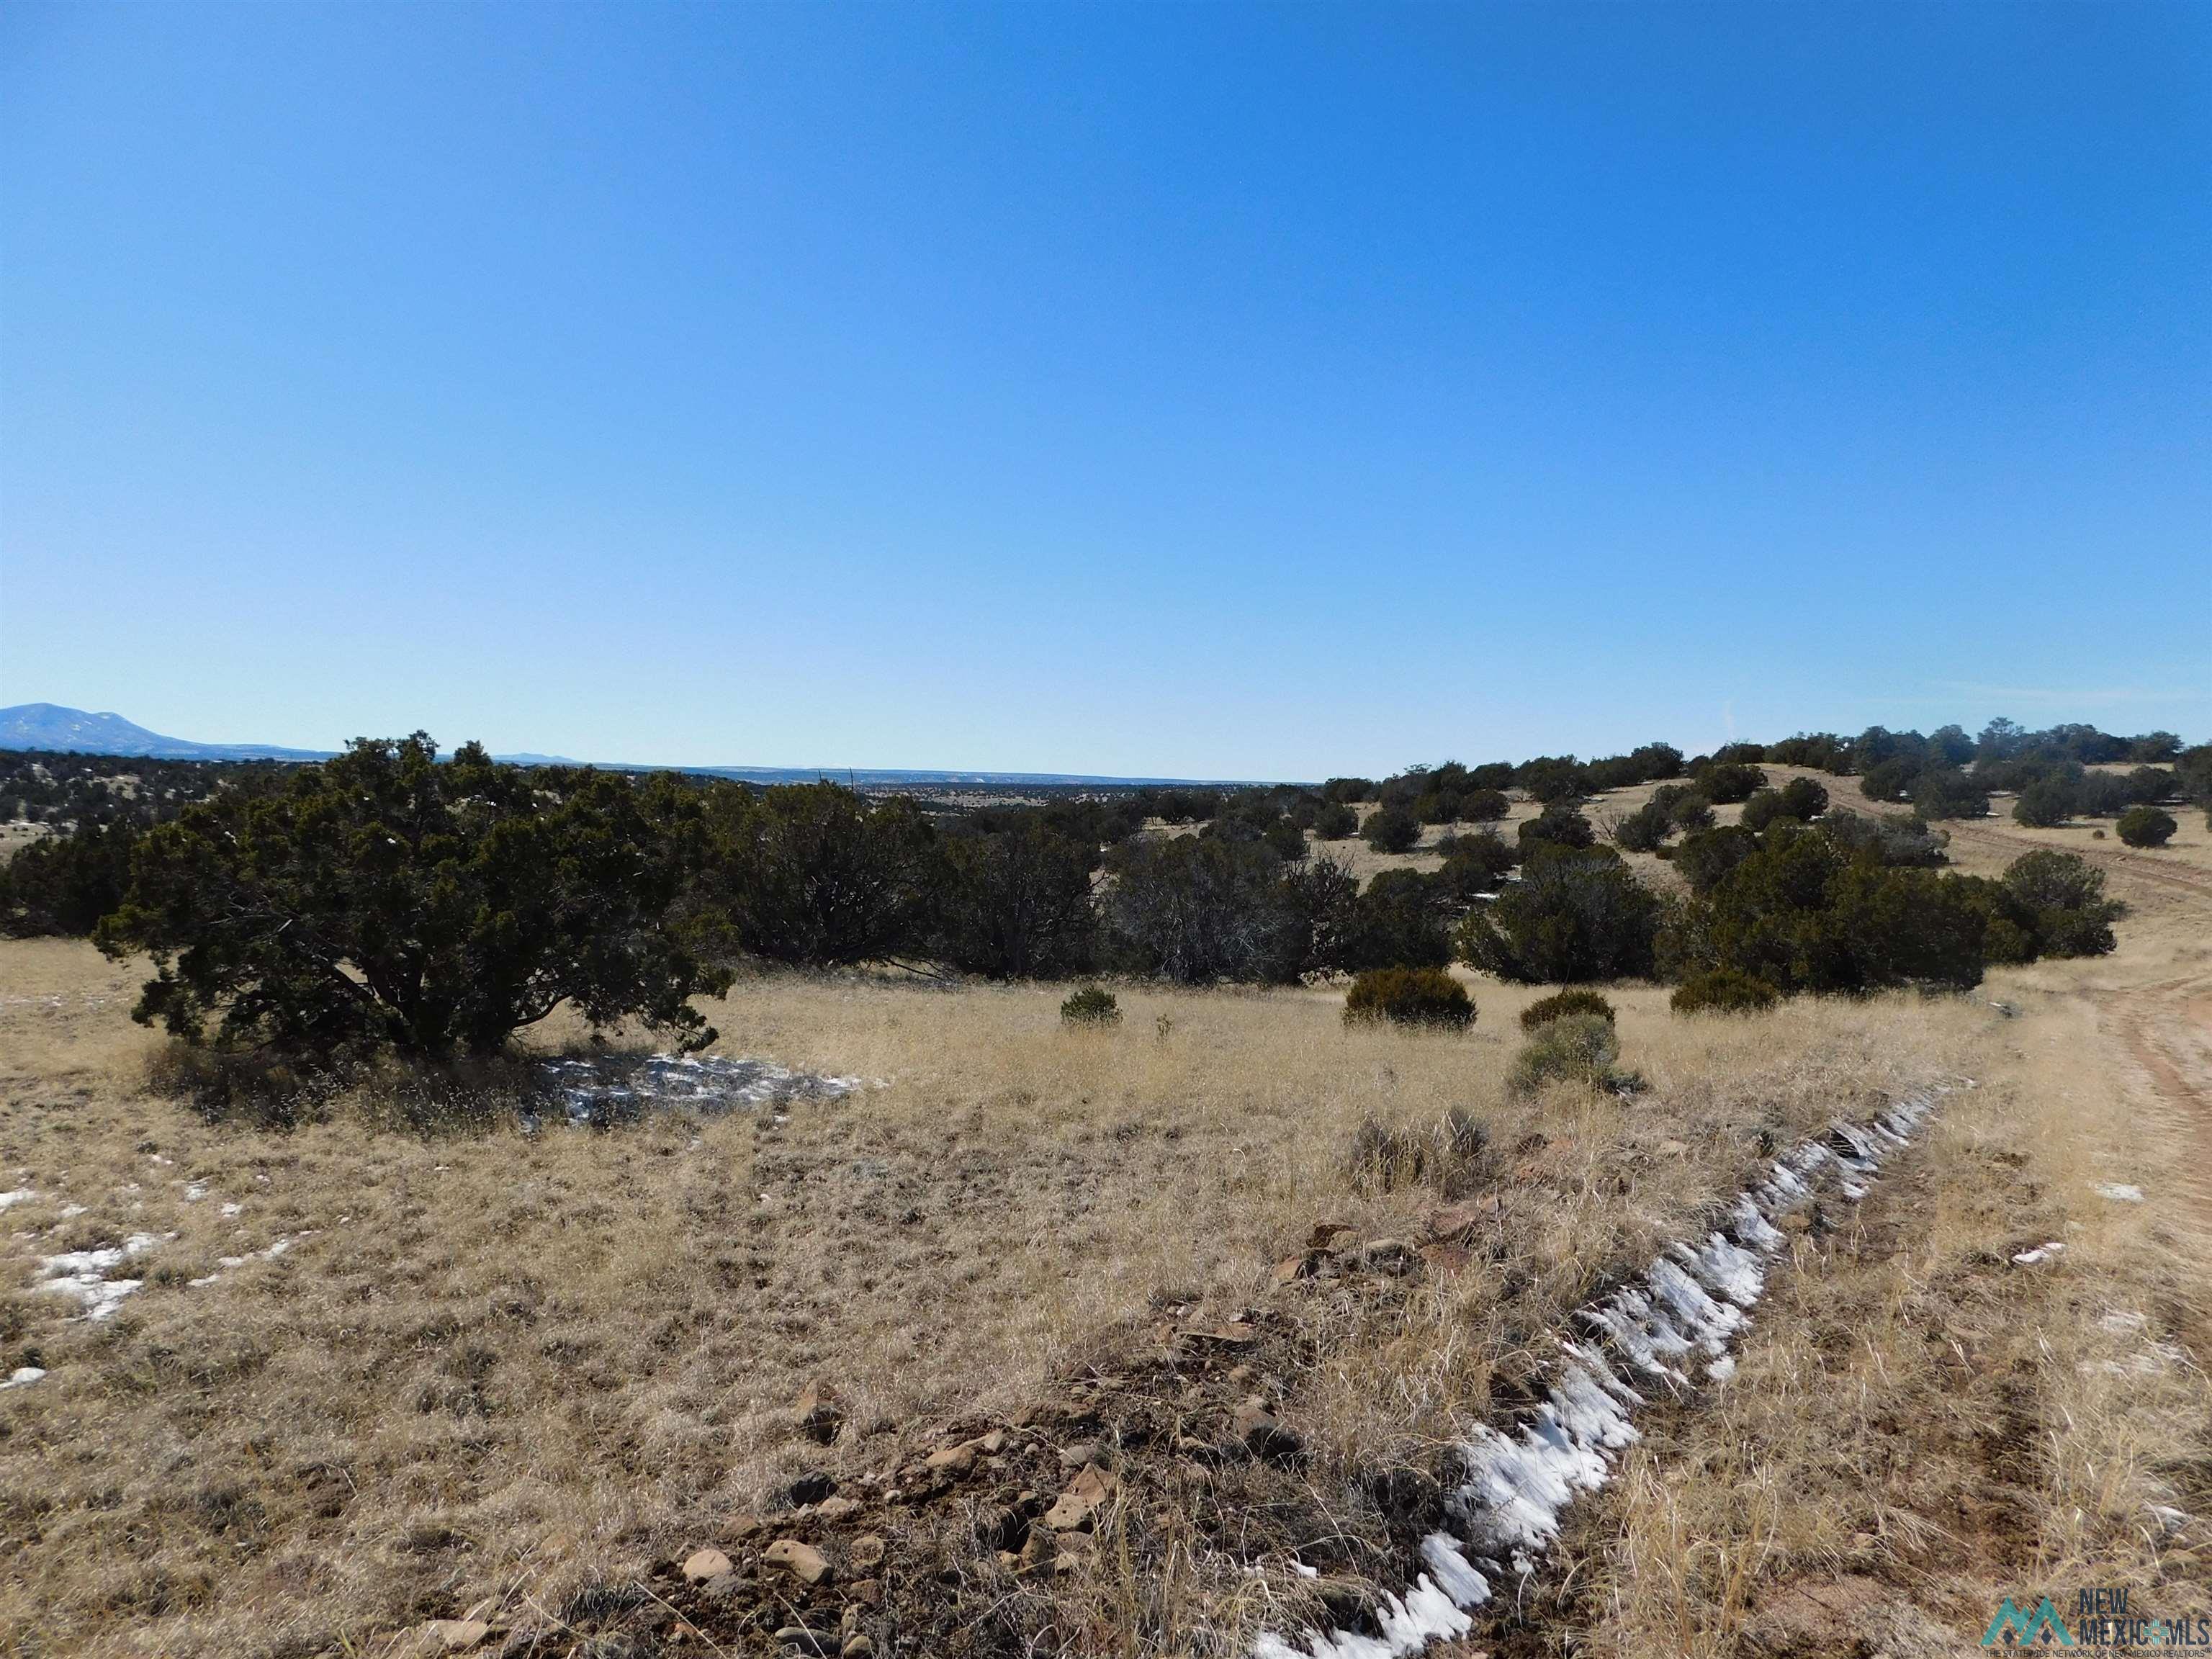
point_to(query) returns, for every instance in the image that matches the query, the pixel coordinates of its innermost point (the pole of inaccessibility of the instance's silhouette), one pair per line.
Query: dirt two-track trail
(2159, 1019)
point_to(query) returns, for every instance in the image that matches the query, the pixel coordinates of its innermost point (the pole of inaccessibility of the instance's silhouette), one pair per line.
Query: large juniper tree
(388, 900)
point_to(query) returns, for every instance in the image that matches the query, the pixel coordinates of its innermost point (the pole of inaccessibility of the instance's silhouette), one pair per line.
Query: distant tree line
(391, 899)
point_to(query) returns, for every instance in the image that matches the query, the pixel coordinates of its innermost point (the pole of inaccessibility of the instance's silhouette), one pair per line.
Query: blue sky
(1217, 390)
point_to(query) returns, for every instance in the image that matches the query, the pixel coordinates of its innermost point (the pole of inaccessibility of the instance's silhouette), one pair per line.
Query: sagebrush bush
(1410, 996)
(1093, 1005)
(2146, 826)
(1723, 991)
(1573, 1000)
(1573, 1048)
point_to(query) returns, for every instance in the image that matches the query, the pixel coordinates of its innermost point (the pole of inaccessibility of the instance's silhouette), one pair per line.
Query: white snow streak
(1692, 1301)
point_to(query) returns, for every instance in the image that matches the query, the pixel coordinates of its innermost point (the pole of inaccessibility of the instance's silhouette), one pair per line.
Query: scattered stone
(1082, 1452)
(953, 1460)
(1235, 1334)
(811, 1487)
(1456, 1224)
(802, 1561)
(868, 1592)
(865, 1551)
(1038, 1550)
(994, 1443)
(741, 1527)
(704, 1564)
(1445, 1259)
(837, 1509)
(1323, 1236)
(798, 1638)
(1080, 1500)
(858, 1647)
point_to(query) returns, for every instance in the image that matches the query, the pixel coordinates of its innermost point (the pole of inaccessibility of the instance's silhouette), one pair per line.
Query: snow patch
(1693, 1300)
(2120, 1193)
(22, 1377)
(2041, 1252)
(83, 1274)
(20, 1195)
(614, 1088)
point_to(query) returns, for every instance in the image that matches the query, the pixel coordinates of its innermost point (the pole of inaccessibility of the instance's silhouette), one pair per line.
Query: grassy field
(515, 1374)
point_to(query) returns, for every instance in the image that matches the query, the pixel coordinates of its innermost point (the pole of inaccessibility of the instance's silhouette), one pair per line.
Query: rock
(868, 1592)
(798, 1638)
(1037, 1550)
(1445, 1259)
(1235, 1334)
(449, 1635)
(953, 1460)
(1080, 1500)
(865, 1551)
(740, 1527)
(820, 1412)
(858, 1647)
(811, 1487)
(837, 1509)
(1082, 1452)
(802, 1561)
(1456, 1224)
(1323, 1236)
(1240, 1375)
(704, 1564)
(1267, 1438)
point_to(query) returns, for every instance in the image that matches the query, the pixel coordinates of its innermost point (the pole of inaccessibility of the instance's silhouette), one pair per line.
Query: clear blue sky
(1218, 391)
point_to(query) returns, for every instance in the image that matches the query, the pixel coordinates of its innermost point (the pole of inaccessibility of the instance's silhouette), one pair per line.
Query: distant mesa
(49, 727)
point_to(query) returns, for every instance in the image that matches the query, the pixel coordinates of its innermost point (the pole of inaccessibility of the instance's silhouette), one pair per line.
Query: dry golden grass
(1920, 1426)
(512, 1366)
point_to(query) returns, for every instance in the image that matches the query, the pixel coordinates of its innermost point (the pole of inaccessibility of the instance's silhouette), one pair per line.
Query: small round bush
(1562, 826)
(2146, 826)
(1723, 991)
(1392, 829)
(1804, 799)
(1484, 805)
(2044, 804)
(1410, 996)
(1573, 1000)
(1093, 1005)
(1762, 809)
(1572, 1049)
(1335, 822)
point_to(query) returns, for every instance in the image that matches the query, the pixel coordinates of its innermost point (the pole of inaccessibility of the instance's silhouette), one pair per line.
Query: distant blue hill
(49, 727)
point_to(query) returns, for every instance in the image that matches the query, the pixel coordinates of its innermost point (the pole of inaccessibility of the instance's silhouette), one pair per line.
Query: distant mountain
(50, 727)
(45, 725)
